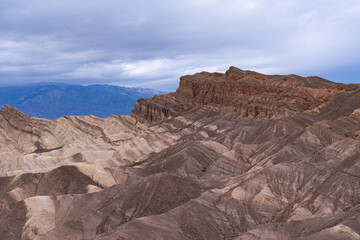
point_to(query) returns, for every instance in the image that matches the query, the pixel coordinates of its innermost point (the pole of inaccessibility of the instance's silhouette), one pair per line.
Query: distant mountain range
(51, 101)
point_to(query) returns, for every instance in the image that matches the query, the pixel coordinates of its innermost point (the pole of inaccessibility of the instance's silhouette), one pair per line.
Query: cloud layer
(152, 43)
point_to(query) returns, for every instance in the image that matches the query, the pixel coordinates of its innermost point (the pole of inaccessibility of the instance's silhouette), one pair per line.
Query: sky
(143, 43)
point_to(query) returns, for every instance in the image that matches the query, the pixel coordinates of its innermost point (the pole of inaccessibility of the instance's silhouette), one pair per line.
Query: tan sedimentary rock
(239, 155)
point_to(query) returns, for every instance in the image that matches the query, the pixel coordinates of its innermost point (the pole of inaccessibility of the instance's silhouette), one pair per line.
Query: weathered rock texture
(238, 155)
(247, 93)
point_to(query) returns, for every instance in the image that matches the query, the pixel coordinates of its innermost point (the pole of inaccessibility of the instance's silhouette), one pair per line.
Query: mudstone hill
(239, 155)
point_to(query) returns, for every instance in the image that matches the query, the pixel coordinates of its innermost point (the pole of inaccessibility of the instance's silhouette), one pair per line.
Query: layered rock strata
(238, 155)
(247, 93)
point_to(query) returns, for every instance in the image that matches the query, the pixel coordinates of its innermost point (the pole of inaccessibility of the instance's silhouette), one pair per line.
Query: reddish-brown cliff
(248, 93)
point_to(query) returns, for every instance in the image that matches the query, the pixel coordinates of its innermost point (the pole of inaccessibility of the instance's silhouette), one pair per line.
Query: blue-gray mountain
(51, 101)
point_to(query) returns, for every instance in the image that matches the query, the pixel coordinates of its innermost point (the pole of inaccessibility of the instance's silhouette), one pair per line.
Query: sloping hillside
(238, 155)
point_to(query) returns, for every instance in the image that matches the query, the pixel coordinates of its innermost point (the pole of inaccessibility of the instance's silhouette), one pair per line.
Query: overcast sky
(152, 43)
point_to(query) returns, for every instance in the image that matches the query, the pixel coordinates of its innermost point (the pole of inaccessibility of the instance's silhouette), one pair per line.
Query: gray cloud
(152, 43)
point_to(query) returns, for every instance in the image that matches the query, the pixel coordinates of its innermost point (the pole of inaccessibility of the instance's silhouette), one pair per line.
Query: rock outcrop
(239, 155)
(247, 93)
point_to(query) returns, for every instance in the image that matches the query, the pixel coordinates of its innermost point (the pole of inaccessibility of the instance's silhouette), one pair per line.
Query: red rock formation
(248, 93)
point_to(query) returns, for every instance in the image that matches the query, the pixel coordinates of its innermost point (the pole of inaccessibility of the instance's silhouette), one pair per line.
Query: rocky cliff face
(238, 155)
(147, 110)
(247, 93)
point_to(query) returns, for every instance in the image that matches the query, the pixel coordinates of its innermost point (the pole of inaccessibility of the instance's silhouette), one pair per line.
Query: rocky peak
(7, 109)
(15, 116)
(248, 93)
